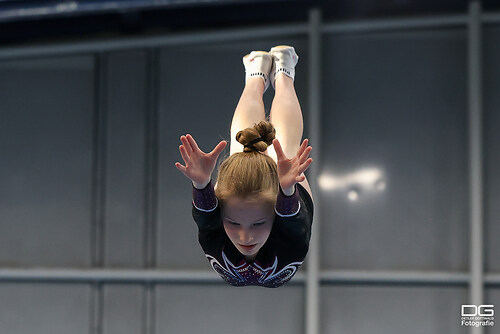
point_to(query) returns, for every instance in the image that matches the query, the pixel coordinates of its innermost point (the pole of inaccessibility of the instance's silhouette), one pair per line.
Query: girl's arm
(291, 171)
(205, 209)
(205, 199)
(287, 206)
(199, 165)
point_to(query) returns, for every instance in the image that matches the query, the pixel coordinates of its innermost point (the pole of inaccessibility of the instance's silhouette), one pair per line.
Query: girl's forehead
(237, 208)
(239, 202)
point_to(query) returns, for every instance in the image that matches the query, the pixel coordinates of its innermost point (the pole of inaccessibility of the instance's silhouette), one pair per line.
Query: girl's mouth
(248, 247)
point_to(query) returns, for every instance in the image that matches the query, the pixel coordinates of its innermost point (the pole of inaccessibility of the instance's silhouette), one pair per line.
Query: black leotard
(276, 262)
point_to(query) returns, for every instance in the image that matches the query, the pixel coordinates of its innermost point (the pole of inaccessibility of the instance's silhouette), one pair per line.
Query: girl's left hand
(290, 171)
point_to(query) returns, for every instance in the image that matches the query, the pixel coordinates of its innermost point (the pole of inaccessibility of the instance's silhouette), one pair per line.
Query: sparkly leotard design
(253, 273)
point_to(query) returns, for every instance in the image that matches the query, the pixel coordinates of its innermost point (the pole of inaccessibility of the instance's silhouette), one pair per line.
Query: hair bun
(257, 138)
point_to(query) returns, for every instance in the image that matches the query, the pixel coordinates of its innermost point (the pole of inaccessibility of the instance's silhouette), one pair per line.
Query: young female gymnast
(255, 223)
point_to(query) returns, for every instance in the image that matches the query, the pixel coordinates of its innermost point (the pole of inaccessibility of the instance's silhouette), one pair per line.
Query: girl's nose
(245, 237)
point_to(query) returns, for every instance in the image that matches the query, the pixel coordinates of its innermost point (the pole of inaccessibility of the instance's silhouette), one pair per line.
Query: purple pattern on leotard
(205, 199)
(287, 205)
(254, 273)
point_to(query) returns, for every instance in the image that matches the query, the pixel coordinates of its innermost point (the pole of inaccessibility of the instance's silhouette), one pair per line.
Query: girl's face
(247, 224)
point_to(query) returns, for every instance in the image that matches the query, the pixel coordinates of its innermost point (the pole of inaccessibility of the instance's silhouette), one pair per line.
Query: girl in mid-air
(255, 222)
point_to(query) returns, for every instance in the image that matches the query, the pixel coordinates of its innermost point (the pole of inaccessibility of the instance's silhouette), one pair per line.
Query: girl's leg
(286, 116)
(250, 110)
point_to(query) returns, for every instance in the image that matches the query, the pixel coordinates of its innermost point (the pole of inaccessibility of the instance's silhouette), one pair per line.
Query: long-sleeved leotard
(277, 261)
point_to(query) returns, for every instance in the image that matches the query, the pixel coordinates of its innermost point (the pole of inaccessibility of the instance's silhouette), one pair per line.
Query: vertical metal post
(149, 308)
(151, 186)
(312, 282)
(151, 160)
(99, 161)
(475, 157)
(97, 308)
(98, 186)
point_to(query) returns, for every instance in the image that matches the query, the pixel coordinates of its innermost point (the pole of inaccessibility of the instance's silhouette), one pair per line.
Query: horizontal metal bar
(417, 277)
(445, 21)
(113, 276)
(204, 276)
(204, 37)
(492, 279)
(490, 17)
(105, 275)
(191, 38)
(45, 10)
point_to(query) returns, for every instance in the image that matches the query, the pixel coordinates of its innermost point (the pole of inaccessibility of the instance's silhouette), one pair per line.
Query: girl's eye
(259, 224)
(233, 223)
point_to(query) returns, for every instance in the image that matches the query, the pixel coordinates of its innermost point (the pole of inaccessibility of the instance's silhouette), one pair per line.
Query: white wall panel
(46, 124)
(122, 309)
(391, 309)
(216, 309)
(125, 109)
(394, 151)
(44, 308)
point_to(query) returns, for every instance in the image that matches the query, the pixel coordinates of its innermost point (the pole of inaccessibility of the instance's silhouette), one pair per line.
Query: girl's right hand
(199, 165)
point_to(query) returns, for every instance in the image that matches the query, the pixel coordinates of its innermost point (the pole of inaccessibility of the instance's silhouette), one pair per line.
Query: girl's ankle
(282, 80)
(255, 83)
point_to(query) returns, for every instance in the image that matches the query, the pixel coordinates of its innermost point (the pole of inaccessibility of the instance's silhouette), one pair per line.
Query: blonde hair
(250, 174)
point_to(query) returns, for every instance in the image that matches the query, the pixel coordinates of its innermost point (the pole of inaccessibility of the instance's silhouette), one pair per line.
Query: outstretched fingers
(186, 151)
(300, 178)
(184, 154)
(303, 157)
(192, 142)
(180, 167)
(187, 145)
(303, 167)
(303, 148)
(219, 148)
(280, 155)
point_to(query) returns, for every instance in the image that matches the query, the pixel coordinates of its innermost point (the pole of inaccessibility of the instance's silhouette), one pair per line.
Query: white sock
(258, 64)
(285, 58)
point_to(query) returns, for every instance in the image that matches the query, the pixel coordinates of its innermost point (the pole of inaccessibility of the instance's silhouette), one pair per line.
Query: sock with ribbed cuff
(258, 64)
(284, 60)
